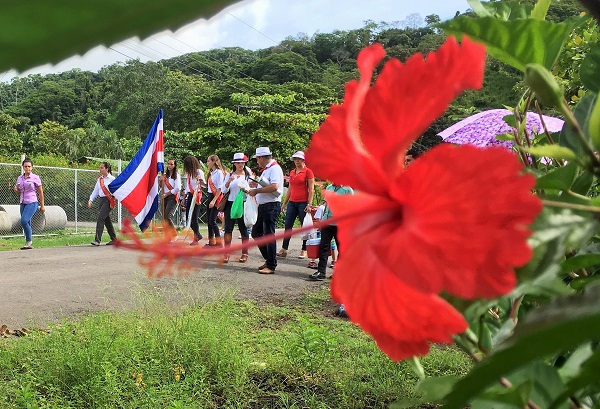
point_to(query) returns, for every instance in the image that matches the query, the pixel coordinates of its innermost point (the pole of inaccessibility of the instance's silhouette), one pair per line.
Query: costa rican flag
(137, 186)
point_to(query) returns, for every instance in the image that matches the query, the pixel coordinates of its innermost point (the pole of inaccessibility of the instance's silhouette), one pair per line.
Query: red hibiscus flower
(455, 221)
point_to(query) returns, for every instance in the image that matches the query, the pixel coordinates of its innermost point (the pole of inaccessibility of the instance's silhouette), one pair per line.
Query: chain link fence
(66, 195)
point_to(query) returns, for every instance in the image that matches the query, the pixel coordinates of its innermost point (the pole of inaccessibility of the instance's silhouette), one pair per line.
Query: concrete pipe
(54, 218)
(5, 223)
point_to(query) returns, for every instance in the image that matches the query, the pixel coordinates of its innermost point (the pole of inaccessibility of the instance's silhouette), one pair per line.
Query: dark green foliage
(219, 101)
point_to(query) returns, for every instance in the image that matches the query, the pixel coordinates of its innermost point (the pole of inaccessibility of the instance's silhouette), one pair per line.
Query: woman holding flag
(171, 189)
(107, 203)
(193, 194)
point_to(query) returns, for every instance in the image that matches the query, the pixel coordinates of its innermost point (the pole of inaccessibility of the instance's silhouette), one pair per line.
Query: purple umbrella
(481, 129)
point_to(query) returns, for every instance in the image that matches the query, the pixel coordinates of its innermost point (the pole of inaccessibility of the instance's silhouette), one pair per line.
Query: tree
(133, 94)
(413, 21)
(279, 68)
(11, 142)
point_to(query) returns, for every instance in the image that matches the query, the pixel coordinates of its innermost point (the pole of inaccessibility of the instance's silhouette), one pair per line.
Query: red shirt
(299, 184)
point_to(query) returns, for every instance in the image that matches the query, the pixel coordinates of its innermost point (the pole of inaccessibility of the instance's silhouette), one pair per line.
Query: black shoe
(341, 312)
(110, 243)
(317, 276)
(95, 243)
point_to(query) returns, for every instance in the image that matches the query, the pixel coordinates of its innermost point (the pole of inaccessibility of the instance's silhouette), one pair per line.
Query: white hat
(263, 151)
(239, 157)
(299, 155)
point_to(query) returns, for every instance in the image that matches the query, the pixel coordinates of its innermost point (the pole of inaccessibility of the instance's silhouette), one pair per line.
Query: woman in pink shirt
(29, 186)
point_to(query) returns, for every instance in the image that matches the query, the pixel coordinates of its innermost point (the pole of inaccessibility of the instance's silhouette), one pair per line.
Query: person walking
(268, 197)
(328, 233)
(107, 203)
(29, 187)
(171, 189)
(195, 181)
(298, 200)
(216, 176)
(235, 181)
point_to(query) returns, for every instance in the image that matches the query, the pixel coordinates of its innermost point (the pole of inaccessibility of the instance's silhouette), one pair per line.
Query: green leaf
(552, 151)
(589, 69)
(540, 9)
(502, 398)
(429, 390)
(563, 324)
(583, 183)
(484, 337)
(516, 42)
(588, 375)
(568, 137)
(547, 383)
(560, 178)
(572, 367)
(536, 382)
(36, 32)
(436, 389)
(580, 261)
(505, 137)
(478, 8)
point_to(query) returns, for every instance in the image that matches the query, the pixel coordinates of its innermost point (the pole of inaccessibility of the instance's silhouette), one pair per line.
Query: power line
(134, 48)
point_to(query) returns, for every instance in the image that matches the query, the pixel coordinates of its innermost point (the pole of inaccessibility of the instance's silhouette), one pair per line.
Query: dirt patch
(43, 286)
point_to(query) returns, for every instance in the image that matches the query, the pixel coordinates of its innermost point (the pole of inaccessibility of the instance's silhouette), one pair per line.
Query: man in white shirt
(268, 196)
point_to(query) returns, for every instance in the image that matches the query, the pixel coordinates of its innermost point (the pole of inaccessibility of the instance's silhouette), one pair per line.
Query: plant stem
(573, 206)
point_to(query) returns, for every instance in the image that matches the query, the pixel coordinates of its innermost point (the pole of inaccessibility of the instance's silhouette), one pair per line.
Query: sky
(254, 24)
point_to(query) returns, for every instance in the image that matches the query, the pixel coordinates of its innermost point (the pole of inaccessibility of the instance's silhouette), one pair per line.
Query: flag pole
(188, 222)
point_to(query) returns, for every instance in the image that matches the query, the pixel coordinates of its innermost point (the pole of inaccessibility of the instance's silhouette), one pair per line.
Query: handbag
(250, 211)
(307, 222)
(237, 208)
(222, 201)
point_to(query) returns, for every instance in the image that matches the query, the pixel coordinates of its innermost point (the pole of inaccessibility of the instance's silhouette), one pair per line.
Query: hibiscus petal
(455, 221)
(402, 321)
(332, 155)
(337, 146)
(407, 98)
(464, 225)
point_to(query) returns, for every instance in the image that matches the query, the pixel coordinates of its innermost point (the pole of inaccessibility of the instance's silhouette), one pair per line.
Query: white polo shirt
(272, 174)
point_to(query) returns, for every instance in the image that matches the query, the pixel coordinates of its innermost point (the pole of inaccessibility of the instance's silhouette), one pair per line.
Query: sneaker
(282, 253)
(28, 246)
(95, 243)
(317, 276)
(266, 270)
(262, 267)
(110, 243)
(341, 311)
(303, 254)
(312, 264)
(332, 265)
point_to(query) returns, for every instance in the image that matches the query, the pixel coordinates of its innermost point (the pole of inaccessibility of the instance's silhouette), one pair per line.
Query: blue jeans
(294, 210)
(27, 212)
(266, 222)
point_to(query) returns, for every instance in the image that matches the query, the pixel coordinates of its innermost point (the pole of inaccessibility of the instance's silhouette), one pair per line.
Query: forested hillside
(226, 100)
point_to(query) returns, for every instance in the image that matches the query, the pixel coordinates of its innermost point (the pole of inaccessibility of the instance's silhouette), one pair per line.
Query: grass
(62, 238)
(222, 353)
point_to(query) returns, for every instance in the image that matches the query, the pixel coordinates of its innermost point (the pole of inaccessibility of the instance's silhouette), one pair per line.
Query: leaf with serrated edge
(515, 42)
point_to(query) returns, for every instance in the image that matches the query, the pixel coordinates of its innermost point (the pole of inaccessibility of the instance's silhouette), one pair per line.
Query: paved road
(41, 286)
